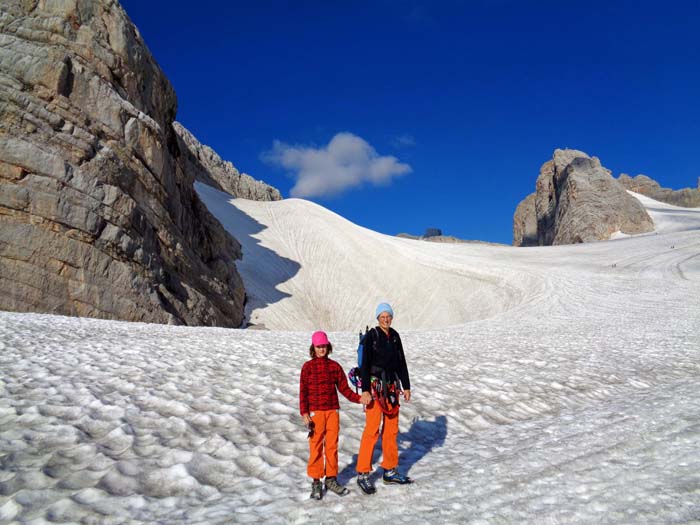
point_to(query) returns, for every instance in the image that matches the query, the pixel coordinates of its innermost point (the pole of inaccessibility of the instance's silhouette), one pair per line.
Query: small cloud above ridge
(348, 161)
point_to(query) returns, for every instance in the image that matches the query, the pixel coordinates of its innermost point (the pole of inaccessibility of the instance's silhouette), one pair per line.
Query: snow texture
(550, 385)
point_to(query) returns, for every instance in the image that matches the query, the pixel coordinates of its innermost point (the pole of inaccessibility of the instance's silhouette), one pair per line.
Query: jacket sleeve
(303, 391)
(366, 367)
(342, 384)
(403, 367)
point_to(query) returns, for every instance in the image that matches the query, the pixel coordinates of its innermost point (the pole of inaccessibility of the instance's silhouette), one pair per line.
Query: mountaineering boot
(393, 476)
(333, 485)
(316, 489)
(365, 483)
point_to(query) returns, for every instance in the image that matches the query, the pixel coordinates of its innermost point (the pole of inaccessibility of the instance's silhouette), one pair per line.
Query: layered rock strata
(576, 200)
(209, 168)
(98, 215)
(687, 197)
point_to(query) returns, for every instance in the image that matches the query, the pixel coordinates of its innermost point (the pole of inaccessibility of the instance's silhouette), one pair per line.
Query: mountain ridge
(97, 204)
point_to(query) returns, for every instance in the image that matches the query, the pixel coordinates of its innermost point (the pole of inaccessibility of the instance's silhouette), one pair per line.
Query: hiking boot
(365, 483)
(333, 485)
(316, 489)
(393, 476)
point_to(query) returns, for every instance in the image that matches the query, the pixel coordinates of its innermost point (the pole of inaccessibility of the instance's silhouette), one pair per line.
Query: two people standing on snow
(321, 377)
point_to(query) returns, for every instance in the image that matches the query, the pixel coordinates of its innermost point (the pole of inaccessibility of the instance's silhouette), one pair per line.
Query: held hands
(366, 398)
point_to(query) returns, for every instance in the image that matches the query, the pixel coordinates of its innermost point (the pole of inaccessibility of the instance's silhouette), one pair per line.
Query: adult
(384, 373)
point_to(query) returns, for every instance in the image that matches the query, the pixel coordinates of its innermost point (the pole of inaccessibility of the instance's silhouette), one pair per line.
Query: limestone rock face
(98, 215)
(577, 200)
(687, 197)
(525, 222)
(209, 168)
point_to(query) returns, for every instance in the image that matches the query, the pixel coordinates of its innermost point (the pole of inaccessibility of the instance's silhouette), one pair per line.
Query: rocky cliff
(576, 200)
(209, 168)
(98, 215)
(687, 197)
(525, 222)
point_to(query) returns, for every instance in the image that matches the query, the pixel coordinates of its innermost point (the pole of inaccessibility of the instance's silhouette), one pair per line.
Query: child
(318, 405)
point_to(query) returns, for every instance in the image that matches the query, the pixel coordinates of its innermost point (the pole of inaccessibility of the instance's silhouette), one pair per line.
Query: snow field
(123, 422)
(550, 385)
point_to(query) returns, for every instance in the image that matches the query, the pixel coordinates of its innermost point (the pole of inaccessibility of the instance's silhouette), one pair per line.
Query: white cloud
(346, 162)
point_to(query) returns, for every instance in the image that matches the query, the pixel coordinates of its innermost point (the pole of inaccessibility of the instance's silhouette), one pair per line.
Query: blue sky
(404, 115)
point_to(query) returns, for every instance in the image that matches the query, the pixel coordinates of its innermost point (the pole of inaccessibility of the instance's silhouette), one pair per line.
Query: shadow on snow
(260, 290)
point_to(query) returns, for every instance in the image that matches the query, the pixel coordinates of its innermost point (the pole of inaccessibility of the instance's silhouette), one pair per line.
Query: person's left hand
(407, 395)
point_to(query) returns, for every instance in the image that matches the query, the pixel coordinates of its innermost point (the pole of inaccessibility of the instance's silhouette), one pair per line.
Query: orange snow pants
(324, 442)
(390, 448)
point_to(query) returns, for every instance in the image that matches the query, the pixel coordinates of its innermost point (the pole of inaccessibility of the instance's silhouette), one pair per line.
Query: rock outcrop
(445, 239)
(525, 222)
(576, 200)
(687, 197)
(98, 215)
(209, 168)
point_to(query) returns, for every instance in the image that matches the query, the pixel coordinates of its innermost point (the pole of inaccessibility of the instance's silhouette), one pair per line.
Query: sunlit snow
(550, 385)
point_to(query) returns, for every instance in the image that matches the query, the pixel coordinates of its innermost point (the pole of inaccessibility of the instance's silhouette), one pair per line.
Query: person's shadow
(422, 437)
(414, 445)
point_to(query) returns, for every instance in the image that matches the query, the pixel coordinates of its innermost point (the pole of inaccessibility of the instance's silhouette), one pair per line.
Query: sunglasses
(311, 427)
(320, 346)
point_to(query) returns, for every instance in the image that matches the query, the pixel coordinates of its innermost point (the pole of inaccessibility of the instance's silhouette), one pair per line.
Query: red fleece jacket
(317, 385)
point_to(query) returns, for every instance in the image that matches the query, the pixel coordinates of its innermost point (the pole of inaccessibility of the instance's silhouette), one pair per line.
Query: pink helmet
(319, 338)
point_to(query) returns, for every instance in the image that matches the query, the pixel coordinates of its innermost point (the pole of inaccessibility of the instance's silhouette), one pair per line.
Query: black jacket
(383, 352)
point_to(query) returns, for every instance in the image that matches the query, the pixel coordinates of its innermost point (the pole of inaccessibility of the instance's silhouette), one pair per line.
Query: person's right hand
(307, 419)
(366, 398)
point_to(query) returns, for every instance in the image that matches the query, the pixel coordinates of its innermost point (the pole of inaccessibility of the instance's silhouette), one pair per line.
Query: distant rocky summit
(440, 238)
(686, 198)
(432, 232)
(98, 214)
(576, 200)
(209, 168)
(525, 222)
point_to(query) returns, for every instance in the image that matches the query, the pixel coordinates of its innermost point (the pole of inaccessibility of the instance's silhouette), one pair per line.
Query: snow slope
(305, 267)
(550, 385)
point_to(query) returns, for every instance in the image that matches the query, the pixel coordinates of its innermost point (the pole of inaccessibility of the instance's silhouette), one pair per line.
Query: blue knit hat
(383, 307)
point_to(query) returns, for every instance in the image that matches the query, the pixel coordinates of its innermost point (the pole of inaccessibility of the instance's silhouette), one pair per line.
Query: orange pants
(324, 442)
(390, 448)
